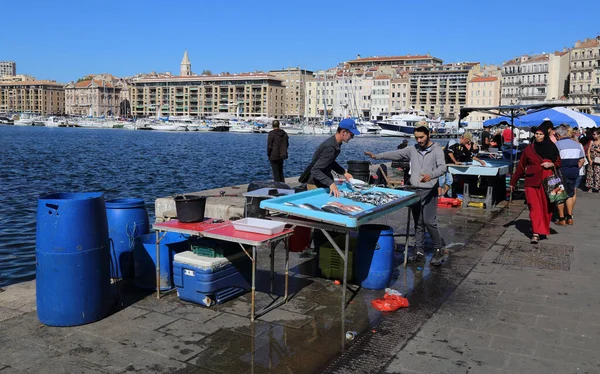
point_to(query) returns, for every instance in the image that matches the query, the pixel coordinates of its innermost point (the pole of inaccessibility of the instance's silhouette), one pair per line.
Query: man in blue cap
(323, 160)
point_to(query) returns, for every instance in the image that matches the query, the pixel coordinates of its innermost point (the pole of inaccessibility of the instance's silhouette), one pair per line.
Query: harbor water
(122, 163)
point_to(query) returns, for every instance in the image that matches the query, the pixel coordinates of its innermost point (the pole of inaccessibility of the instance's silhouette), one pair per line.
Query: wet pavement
(304, 336)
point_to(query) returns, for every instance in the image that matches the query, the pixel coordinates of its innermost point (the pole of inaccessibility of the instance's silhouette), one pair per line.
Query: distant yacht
(402, 124)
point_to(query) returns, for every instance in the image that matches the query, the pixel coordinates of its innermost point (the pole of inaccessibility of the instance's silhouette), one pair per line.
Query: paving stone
(421, 363)
(535, 334)
(470, 338)
(180, 349)
(557, 324)
(187, 330)
(227, 352)
(516, 318)
(299, 305)
(23, 356)
(153, 320)
(66, 364)
(564, 354)
(286, 318)
(8, 313)
(193, 312)
(238, 307)
(139, 338)
(241, 325)
(512, 345)
(528, 364)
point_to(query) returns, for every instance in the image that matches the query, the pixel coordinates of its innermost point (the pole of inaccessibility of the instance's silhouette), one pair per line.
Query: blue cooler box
(208, 281)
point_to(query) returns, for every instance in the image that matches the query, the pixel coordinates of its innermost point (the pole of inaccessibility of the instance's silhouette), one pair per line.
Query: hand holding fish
(333, 190)
(371, 154)
(348, 176)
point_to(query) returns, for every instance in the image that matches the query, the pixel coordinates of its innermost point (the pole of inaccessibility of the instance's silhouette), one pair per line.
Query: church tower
(186, 66)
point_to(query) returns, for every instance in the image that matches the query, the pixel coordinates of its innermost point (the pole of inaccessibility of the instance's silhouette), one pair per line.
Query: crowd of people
(564, 152)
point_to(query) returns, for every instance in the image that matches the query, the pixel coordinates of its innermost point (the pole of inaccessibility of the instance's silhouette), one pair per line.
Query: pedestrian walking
(592, 180)
(537, 162)
(571, 160)
(277, 150)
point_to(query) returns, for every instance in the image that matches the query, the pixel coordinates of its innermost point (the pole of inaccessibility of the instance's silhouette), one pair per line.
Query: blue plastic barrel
(375, 256)
(73, 261)
(144, 259)
(127, 218)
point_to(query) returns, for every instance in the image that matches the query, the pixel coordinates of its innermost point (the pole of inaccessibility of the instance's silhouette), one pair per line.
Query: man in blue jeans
(572, 159)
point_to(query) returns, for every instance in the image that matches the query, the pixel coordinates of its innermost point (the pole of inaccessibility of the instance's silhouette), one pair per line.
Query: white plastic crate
(259, 226)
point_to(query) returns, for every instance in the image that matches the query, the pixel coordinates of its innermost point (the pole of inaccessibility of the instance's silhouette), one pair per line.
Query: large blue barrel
(73, 262)
(144, 259)
(127, 218)
(375, 256)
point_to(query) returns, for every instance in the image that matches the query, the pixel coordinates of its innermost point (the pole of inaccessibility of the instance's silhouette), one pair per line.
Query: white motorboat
(368, 128)
(402, 124)
(54, 122)
(24, 119)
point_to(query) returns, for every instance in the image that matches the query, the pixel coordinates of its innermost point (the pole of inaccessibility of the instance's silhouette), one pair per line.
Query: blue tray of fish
(352, 210)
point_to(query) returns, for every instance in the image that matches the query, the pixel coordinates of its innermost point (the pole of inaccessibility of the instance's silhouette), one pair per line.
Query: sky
(64, 40)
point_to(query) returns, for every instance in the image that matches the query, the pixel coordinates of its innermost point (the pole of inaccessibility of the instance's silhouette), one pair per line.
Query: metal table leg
(253, 282)
(407, 237)
(157, 265)
(347, 246)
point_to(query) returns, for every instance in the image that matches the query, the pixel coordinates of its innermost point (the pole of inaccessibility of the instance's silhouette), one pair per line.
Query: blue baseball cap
(350, 125)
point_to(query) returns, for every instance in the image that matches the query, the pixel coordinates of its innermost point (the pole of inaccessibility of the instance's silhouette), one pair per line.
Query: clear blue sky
(67, 39)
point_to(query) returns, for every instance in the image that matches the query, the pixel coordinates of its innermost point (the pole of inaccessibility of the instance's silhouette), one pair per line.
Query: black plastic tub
(190, 208)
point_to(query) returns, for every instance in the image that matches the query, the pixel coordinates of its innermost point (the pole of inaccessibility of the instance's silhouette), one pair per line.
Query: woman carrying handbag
(538, 162)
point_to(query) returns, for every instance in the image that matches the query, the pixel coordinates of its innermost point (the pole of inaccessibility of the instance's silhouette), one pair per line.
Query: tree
(206, 72)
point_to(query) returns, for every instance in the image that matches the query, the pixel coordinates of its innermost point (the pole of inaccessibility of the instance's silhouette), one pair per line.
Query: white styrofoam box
(203, 262)
(259, 226)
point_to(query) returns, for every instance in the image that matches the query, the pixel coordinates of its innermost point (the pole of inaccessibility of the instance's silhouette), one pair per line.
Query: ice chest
(209, 281)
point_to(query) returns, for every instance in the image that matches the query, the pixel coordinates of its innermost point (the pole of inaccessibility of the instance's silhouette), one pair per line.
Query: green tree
(206, 72)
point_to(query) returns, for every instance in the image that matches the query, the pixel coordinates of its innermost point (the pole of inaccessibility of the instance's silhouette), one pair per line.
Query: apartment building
(16, 78)
(398, 62)
(246, 95)
(320, 94)
(94, 95)
(380, 97)
(294, 81)
(585, 75)
(8, 68)
(441, 90)
(482, 92)
(534, 79)
(352, 94)
(38, 97)
(399, 94)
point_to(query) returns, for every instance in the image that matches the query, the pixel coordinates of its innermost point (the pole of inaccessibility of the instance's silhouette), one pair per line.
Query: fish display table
(224, 230)
(493, 171)
(296, 210)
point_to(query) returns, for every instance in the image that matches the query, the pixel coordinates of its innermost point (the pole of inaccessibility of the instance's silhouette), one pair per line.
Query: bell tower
(186, 66)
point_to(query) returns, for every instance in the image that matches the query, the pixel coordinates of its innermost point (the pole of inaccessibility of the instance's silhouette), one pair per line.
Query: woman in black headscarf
(538, 162)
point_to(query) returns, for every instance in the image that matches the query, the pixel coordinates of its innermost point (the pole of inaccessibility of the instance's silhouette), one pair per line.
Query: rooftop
(394, 58)
(484, 79)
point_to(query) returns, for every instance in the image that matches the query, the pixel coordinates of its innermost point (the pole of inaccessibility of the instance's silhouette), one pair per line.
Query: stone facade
(8, 68)
(585, 75)
(93, 96)
(247, 95)
(37, 97)
(294, 81)
(320, 93)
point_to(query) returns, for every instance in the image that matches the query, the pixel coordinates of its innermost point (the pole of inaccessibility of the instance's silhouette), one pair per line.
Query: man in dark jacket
(277, 150)
(323, 161)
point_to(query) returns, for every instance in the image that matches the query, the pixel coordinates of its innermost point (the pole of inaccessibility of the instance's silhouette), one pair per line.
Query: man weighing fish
(427, 163)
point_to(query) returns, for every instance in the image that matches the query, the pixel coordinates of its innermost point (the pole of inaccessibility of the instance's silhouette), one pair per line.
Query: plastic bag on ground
(390, 302)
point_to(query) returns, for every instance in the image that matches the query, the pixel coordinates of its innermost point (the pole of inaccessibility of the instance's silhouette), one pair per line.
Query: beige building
(294, 81)
(482, 92)
(320, 94)
(399, 94)
(38, 97)
(401, 62)
(380, 97)
(95, 95)
(352, 94)
(8, 68)
(534, 79)
(585, 75)
(441, 90)
(246, 95)
(16, 78)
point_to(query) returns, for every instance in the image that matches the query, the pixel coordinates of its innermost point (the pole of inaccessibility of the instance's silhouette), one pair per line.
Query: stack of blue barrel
(81, 243)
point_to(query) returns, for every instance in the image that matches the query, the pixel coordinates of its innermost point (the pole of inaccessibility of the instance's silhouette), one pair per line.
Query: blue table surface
(320, 197)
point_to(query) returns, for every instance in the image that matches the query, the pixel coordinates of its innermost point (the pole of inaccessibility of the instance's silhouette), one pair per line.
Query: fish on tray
(303, 206)
(346, 207)
(335, 210)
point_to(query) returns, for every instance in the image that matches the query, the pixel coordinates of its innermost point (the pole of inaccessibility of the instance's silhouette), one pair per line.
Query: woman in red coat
(537, 162)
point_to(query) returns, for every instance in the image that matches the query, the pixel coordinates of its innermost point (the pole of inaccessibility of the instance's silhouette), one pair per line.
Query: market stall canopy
(557, 116)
